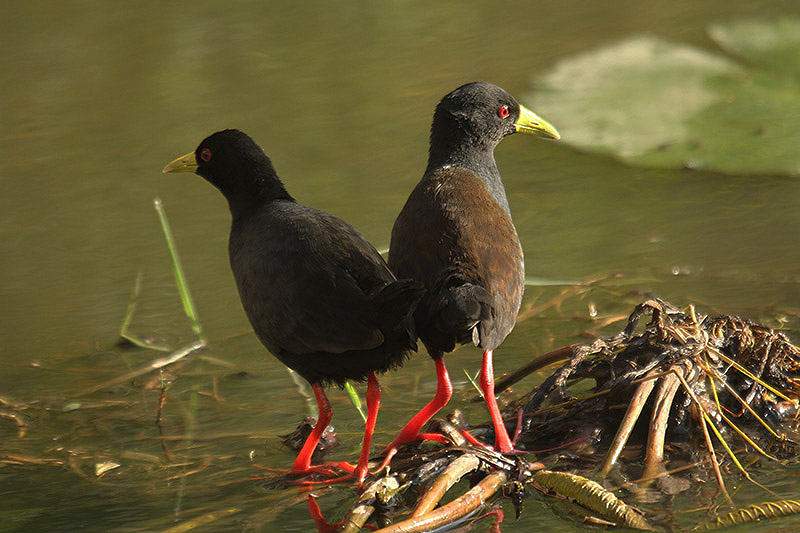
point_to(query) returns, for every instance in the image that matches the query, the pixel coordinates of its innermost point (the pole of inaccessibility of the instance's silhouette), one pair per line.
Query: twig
(162, 398)
(551, 357)
(709, 445)
(659, 418)
(451, 475)
(202, 520)
(455, 510)
(21, 459)
(450, 431)
(154, 365)
(18, 420)
(557, 378)
(635, 407)
(205, 463)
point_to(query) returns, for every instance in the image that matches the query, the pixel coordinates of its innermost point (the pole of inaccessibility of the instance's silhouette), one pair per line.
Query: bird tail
(453, 311)
(395, 304)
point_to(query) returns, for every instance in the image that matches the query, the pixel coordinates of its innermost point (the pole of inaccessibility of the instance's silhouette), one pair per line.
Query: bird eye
(205, 154)
(503, 111)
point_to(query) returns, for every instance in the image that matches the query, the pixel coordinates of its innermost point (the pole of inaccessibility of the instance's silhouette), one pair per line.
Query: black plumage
(318, 295)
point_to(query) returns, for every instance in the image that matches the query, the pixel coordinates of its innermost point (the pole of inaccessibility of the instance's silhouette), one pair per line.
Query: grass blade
(180, 279)
(355, 400)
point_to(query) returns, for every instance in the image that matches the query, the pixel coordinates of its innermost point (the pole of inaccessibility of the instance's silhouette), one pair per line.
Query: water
(95, 99)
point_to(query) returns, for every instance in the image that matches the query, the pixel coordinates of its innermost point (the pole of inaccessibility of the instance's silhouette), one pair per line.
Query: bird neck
(263, 187)
(476, 156)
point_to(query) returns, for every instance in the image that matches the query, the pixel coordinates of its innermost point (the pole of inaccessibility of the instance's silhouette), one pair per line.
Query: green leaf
(660, 104)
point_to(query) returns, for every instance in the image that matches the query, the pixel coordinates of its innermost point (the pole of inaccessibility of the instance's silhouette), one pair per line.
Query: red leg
(373, 404)
(472, 440)
(502, 443)
(360, 471)
(411, 431)
(302, 464)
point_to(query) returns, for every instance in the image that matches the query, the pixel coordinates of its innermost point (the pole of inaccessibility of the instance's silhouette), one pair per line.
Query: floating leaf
(772, 46)
(660, 104)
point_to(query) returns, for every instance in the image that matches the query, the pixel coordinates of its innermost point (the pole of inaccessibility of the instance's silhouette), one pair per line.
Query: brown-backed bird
(455, 235)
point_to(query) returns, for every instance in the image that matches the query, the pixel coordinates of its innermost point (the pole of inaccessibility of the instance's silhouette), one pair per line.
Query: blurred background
(96, 97)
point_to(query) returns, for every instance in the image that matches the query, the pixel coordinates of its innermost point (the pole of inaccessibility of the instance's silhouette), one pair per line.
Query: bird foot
(359, 473)
(509, 450)
(329, 471)
(393, 447)
(402, 440)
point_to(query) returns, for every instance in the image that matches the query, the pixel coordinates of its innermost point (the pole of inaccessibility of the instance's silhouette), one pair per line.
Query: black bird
(455, 235)
(318, 295)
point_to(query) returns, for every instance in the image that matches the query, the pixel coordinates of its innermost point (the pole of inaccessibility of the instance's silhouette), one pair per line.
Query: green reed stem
(177, 269)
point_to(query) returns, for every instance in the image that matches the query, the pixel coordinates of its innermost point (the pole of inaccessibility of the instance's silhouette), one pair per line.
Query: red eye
(205, 154)
(503, 111)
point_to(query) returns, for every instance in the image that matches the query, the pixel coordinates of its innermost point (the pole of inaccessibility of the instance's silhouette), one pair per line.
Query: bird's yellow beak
(185, 163)
(530, 122)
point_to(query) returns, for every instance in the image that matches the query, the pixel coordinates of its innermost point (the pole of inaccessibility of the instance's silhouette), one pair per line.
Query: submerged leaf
(660, 104)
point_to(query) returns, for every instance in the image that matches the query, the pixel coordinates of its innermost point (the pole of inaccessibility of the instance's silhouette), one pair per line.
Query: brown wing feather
(452, 227)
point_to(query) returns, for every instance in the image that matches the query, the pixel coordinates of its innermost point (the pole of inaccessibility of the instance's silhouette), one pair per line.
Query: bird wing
(305, 278)
(455, 237)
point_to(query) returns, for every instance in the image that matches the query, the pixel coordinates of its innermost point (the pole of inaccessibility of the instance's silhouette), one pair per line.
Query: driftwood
(714, 384)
